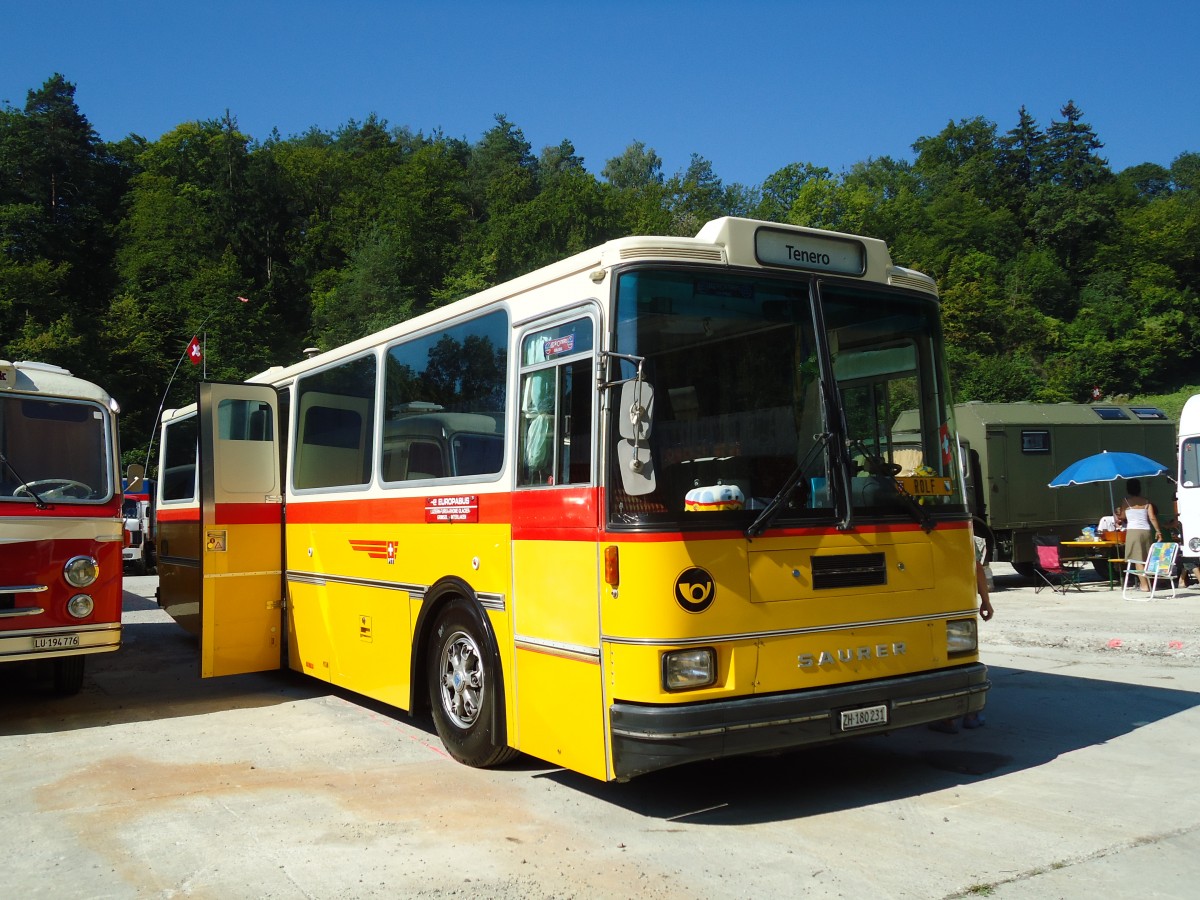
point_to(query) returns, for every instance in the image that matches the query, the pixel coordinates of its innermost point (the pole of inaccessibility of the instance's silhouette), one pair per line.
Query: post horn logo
(695, 589)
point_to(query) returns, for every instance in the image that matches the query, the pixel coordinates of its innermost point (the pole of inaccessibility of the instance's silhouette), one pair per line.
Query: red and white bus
(60, 520)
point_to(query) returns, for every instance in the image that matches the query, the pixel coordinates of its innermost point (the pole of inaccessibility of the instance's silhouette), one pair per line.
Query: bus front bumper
(42, 643)
(649, 737)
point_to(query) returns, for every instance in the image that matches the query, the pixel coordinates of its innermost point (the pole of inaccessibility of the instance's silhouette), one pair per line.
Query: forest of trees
(1056, 273)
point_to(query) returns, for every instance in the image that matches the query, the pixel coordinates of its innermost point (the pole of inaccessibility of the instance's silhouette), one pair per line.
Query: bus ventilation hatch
(848, 570)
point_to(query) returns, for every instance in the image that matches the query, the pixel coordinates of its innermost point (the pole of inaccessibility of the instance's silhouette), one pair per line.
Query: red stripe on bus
(190, 514)
(623, 537)
(247, 514)
(567, 514)
(57, 509)
(493, 509)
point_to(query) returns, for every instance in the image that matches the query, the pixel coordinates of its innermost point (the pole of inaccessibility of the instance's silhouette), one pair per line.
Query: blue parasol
(1106, 466)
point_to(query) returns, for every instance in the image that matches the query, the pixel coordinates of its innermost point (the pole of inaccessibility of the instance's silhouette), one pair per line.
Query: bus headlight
(686, 670)
(1194, 545)
(80, 606)
(80, 571)
(961, 637)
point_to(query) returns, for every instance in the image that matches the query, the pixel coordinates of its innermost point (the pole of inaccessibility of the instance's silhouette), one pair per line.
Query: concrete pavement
(155, 783)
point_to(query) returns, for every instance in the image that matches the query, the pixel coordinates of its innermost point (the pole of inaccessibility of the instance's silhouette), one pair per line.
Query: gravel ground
(1095, 619)
(153, 783)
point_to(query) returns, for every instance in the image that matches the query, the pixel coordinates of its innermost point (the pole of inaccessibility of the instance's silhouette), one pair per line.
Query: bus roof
(728, 241)
(28, 377)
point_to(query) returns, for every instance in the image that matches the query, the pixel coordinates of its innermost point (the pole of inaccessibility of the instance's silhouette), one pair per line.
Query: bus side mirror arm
(635, 419)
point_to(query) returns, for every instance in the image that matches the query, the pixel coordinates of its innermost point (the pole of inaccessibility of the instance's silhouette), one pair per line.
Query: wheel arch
(441, 595)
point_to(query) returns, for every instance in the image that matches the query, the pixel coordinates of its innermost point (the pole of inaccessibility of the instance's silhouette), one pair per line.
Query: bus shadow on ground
(1031, 719)
(154, 675)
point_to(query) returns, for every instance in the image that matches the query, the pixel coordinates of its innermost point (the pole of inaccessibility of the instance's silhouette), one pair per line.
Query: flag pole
(171, 380)
(167, 392)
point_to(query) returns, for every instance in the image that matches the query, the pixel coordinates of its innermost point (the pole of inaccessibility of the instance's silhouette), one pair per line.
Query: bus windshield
(53, 450)
(783, 394)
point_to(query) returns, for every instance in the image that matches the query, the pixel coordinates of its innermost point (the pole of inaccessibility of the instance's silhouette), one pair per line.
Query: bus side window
(577, 426)
(179, 459)
(554, 441)
(444, 401)
(537, 427)
(336, 425)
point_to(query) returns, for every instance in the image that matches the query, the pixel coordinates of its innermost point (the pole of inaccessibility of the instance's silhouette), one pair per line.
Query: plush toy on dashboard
(713, 498)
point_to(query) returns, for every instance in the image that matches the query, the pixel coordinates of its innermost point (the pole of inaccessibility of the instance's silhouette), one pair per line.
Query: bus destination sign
(809, 251)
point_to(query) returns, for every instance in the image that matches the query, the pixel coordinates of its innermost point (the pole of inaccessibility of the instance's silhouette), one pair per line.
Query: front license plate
(56, 642)
(861, 718)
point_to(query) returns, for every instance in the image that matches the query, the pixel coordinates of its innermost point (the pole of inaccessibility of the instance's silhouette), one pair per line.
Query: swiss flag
(193, 351)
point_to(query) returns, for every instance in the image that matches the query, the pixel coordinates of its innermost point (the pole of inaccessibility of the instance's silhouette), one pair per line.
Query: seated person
(1185, 566)
(1109, 523)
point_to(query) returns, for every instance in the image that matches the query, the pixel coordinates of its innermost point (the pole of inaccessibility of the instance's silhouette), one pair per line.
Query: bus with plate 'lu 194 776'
(637, 508)
(60, 520)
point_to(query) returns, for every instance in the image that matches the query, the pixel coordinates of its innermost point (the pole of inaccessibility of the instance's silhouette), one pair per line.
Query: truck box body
(1013, 450)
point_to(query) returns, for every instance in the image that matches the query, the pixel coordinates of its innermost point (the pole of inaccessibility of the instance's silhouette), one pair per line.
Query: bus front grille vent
(706, 255)
(903, 278)
(848, 570)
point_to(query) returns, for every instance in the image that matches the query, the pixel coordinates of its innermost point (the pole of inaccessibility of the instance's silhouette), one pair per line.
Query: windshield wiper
(920, 513)
(881, 469)
(37, 498)
(772, 509)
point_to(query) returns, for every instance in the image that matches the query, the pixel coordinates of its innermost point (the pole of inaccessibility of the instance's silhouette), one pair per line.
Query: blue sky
(751, 86)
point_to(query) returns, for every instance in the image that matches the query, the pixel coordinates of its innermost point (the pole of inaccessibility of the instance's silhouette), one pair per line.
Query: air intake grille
(849, 570)
(919, 284)
(671, 253)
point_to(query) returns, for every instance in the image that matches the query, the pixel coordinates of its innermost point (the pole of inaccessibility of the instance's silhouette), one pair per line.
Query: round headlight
(80, 571)
(80, 606)
(1194, 545)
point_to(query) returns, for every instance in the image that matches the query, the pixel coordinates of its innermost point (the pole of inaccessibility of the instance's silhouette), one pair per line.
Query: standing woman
(1140, 524)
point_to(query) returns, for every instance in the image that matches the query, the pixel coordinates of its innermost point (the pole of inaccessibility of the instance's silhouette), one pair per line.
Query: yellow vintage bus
(637, 508)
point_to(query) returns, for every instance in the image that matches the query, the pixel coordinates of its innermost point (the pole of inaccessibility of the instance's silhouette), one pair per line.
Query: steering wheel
(56, 489)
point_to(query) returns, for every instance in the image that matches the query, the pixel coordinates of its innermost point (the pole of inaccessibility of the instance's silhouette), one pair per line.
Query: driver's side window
(555, 444)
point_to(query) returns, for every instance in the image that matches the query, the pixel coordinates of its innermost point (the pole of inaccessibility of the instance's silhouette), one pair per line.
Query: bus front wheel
(464, 689)
(68, 675)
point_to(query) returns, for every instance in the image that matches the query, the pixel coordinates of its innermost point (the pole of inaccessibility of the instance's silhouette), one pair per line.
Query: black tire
(465, 689)
(1026, 569)
(68, 675)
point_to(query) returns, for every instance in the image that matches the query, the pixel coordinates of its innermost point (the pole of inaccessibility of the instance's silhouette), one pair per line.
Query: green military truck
(1011, 451)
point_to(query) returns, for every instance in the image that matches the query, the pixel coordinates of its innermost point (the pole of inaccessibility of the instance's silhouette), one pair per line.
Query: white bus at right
(1189, 476)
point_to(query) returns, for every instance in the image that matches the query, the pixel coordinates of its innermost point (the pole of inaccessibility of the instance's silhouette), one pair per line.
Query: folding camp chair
(1051, 569)
(1159, 566)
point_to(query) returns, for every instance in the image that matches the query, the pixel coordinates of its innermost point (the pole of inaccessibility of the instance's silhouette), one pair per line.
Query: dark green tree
(638, 189)
(60, 195)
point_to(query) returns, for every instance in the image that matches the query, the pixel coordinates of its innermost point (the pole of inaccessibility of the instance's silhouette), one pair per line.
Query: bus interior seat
(425, 461)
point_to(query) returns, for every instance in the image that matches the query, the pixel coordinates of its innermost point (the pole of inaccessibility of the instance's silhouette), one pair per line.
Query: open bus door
(241, 506)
